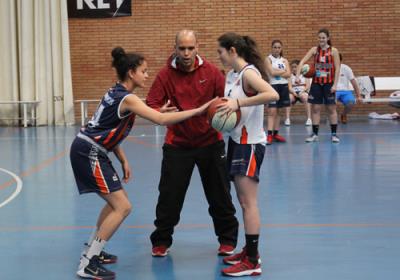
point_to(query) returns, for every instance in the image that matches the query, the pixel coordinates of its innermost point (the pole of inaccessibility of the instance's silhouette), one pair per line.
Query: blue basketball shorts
(92, 168)
(284, 99)
(245, 159)
(345, 96)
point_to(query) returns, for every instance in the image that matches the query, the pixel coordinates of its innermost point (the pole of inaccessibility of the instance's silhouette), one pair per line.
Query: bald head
(186, 49)
(185, 33)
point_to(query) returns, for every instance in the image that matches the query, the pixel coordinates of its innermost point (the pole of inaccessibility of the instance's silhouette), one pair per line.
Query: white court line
(163, 135)
(17, 189)
(295, 133)
(349, 133)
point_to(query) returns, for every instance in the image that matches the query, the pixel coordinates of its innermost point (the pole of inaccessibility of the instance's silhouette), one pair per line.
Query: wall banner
(99, 8)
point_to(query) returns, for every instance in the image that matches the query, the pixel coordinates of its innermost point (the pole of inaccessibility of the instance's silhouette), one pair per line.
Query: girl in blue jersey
(92, 167)
(247, 91)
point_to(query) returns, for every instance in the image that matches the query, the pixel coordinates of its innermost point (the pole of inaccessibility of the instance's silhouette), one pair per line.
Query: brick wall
(366, 32)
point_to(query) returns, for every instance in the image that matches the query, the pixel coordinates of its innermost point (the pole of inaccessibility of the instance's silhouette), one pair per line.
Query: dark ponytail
(326, 32)
(123, 62)
(246, 48)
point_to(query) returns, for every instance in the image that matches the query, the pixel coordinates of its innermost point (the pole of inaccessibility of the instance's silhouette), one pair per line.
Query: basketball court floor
(329, 211)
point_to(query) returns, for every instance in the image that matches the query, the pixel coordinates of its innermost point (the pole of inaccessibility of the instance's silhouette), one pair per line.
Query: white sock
(92, 236)
(96, 247)
(84, 261)
(90, 241)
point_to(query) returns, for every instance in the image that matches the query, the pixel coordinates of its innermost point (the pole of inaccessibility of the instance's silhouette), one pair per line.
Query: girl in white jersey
(247, 91)
(298, 92)
(278, 72)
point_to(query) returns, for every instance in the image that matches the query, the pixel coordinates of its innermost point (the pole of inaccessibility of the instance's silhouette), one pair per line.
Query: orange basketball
(308, 70)
(222, 121)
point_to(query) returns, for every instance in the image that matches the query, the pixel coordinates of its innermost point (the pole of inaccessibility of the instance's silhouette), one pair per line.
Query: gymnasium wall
(366, 32)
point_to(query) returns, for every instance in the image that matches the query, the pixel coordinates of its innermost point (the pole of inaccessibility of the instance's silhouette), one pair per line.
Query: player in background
(278, 71)
(298, 92)
(323, 88)
(344, 92)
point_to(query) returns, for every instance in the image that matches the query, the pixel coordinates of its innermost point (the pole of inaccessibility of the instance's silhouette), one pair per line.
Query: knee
(247, 205)
(332, 111)
(125, 210)
(243, 205)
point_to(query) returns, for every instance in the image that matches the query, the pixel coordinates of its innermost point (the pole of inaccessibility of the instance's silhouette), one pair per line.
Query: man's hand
(167, 108)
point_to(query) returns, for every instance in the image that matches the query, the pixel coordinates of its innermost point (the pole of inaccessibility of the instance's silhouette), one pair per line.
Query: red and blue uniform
(324, 66)
(320, 91)
(108, 127)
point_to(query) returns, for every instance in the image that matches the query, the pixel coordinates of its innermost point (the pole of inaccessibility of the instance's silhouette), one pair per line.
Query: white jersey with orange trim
(250, 129)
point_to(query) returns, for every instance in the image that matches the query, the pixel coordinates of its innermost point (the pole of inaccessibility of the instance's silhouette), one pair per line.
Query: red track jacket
(188, 90)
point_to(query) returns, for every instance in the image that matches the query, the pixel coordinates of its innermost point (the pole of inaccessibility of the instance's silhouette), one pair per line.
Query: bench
(382, 84)
(26, 107)
(84, 107)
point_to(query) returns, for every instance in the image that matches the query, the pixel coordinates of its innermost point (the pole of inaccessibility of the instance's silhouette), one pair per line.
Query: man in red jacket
(186, 82)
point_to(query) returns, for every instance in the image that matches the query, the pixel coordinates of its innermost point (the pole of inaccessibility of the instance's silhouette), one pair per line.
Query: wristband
(237, 101)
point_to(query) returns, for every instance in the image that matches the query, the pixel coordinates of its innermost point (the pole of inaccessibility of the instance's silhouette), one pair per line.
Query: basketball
(221, 121)
(308, 70)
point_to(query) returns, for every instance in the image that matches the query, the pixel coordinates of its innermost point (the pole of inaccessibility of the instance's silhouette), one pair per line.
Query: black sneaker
(105, 258)
(94, 270)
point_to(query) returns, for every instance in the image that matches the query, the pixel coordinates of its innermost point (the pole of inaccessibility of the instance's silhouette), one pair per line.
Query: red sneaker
(269, 139)
(225, 250)
(243, 268)
(279, 138)
(159, 251)
(236, 258)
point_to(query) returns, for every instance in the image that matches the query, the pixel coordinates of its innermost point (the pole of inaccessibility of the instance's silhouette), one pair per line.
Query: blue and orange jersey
(108, 126)
(324, 66)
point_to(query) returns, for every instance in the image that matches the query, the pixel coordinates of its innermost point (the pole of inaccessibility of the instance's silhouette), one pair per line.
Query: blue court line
(194, 226)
